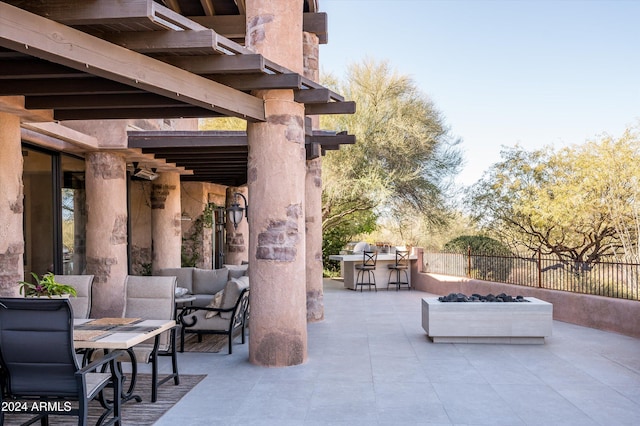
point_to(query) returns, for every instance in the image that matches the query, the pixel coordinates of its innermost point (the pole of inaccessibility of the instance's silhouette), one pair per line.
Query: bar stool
(368, 266)
(401, 265)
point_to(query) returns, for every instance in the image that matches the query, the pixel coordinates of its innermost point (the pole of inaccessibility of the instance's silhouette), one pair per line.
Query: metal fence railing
(604, 278)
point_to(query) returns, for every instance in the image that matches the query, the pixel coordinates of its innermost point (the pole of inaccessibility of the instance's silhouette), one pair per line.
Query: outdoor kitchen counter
(348, 270)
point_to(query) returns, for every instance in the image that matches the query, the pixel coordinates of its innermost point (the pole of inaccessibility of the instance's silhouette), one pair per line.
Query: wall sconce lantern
(235, 212)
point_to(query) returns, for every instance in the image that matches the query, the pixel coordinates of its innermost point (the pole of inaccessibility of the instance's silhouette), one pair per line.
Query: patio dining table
(108, 334)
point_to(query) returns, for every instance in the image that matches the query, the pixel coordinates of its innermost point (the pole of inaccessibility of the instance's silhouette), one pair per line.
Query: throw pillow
(237, 271)
(231, 294)
(216, 302)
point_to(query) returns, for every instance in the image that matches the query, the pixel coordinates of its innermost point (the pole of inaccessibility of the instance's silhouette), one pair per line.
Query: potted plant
(45, 286)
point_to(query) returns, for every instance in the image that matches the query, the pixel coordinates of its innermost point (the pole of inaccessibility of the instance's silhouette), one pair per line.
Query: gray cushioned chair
(83, 284)
(39, 362)
(153, 297)
(230, 319)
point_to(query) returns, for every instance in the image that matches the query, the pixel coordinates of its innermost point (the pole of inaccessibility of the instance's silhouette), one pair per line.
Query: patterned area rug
(210, 343)
(144, 413)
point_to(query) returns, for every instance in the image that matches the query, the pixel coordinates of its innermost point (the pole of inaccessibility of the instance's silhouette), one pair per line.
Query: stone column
(237, 239)
(79, 237)
(313, 221)
(166, 227)
(11, 206)
(276, 176)
(313, 200)
(106, 187)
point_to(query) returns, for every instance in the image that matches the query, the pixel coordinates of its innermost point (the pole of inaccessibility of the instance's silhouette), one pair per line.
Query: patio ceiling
(143, 59)
(218, 156)
(139, 59)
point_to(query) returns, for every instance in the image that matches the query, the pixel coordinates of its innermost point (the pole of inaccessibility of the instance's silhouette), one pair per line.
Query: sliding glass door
(54, 213)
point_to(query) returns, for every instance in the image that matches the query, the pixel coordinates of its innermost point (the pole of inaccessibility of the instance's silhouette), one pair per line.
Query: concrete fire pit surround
(486, 322)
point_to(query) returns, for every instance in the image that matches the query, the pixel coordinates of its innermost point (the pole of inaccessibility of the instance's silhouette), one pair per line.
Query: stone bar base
(477, 322)
(349, 272)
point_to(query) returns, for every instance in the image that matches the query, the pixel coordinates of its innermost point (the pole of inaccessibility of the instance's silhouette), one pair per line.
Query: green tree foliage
(617, 175)
(575, 203)
(477, 244)
(403, 160)
(490, 259)
(335, 238)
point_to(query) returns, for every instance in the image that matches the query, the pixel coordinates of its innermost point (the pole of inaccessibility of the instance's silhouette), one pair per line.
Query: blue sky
(502, 72)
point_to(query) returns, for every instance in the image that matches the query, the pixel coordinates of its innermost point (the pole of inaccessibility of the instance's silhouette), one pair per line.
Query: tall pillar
(276, 176)
(106, 188)
(313, 220)
(166, 226)
(11, 206)
(237, 249)
(313, 200)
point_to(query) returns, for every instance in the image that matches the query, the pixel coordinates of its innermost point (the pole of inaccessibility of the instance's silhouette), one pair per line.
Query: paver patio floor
(371, 363)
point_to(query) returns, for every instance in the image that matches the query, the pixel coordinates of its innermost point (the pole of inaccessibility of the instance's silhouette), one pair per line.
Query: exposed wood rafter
(30, 34)
(235, 26)
(145, 59)
(220, 156)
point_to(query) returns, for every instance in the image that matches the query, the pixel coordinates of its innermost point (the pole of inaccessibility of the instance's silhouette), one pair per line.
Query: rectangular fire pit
(487, 322)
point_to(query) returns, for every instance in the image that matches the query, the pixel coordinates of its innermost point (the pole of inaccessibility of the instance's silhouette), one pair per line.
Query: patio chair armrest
(184, 321)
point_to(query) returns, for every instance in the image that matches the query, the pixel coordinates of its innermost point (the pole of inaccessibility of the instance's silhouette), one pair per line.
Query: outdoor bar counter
(348, 264)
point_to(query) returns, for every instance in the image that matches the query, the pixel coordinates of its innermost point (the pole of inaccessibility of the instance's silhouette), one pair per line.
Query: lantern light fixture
(235, 212)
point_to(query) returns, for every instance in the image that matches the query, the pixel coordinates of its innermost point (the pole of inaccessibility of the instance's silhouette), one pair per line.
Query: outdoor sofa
(203, 284)
(221, 304)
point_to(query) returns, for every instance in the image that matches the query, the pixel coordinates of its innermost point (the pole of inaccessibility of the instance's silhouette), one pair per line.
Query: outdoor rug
(144, 413)
(210, 343)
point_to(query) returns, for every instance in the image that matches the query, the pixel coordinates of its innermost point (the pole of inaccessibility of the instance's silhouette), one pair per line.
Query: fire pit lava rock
(459, 297)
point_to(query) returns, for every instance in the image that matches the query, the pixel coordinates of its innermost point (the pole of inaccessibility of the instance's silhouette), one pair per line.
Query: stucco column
(106, 188)
(313, 199)
(166, 227)
(313, 221)
(11, 206)
(276, 176)
(237, 249)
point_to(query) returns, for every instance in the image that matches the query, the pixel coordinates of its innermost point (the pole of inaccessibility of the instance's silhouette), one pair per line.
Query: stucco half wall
(603, 313)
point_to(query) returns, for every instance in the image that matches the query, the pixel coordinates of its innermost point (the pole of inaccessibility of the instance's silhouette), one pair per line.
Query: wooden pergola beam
(207, 6)
(40, 37)
(124, 113)
(205, 41)
(235, 26)
(218, 64)
(317, 24)
(30, 68)
(333, 140)
(166, 41)
(347, 107)
(137, 100)
(53, 87)
(259, 81)
(82, 12)
(187, 138)
(230, 26)
(312, 96)
(173, 5)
